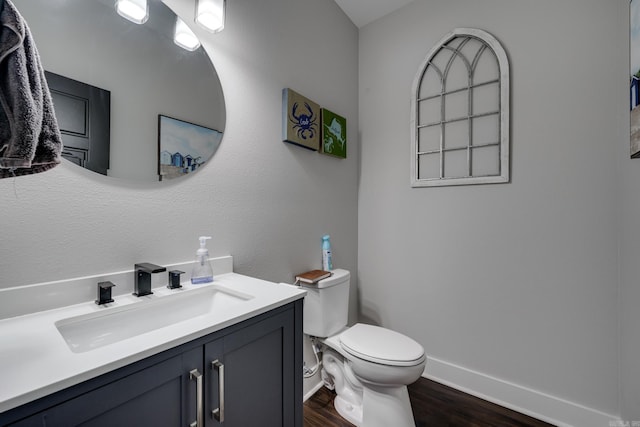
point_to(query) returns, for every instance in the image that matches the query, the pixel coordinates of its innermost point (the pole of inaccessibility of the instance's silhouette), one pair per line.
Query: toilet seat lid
(381, 345)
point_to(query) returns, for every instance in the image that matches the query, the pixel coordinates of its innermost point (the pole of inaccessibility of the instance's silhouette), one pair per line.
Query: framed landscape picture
(634, 76)
(183, 147)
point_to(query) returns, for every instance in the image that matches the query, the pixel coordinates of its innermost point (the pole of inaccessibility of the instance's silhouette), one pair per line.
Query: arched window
(460, 112)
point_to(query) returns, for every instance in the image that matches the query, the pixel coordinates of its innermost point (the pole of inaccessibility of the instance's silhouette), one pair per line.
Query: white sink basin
(110, 325)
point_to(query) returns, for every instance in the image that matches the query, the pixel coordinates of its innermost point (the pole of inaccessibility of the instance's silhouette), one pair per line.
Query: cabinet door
(249, 376)
(160, 395)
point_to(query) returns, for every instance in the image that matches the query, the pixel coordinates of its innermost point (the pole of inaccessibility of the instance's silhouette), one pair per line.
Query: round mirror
(129, 101)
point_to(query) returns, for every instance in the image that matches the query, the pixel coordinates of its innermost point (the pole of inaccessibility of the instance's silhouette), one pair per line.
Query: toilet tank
(326, 305)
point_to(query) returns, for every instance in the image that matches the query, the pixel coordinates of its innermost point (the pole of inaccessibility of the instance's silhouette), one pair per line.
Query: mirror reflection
(159, 107)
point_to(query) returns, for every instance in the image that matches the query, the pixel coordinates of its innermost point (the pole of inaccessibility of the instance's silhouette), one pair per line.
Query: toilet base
(349, 412)
(338, 377)
(365, 405)
(386, 406)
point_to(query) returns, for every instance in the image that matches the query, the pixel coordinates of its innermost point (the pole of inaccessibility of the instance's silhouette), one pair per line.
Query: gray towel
(30, 140)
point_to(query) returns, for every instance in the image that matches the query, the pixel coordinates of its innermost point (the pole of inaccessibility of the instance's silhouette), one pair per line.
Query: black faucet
(142, 277)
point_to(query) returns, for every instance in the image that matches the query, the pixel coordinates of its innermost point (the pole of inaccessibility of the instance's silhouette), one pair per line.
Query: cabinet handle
(218, 413)
(196, 375)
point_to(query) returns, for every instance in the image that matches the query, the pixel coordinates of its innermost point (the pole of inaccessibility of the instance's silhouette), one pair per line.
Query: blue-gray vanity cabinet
(259, 381)
(252, 376)
(154, 396)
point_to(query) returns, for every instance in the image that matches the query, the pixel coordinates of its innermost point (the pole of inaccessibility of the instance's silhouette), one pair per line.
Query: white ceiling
(362, 12)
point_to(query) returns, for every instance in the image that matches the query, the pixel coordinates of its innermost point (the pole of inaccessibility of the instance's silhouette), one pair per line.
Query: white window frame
(503, 143)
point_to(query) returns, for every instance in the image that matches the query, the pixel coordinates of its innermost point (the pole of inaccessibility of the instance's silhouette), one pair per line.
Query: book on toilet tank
(313, 276)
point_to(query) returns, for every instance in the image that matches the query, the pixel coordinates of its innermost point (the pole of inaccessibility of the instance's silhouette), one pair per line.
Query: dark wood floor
(434, 405)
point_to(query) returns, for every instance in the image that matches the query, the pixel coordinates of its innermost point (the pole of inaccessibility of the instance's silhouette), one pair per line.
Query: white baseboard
(542, 406)
(313, 391)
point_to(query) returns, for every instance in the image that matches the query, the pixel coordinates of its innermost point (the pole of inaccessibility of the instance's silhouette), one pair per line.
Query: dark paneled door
(84, 114)
(162, 395)
(258, 368)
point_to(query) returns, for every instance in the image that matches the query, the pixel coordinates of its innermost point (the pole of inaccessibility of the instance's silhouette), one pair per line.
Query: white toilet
(368, 366)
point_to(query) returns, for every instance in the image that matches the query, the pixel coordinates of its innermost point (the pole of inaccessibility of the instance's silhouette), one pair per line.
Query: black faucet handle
(174, 279)
(104, 293)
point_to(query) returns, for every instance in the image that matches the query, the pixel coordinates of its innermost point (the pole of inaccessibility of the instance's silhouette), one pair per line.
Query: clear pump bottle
(202, 271)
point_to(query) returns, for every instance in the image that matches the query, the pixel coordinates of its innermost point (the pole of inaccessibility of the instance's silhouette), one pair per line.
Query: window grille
(460, 112)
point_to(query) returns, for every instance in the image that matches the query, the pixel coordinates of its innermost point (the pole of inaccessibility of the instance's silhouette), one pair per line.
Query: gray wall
(533, 282)
(515, 283)
(265, 202)
(629, 236)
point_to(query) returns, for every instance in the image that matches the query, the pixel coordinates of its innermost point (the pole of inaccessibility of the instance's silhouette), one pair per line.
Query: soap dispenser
(202, 271)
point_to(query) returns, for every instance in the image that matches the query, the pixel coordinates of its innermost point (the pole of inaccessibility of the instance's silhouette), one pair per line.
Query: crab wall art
(300, 120)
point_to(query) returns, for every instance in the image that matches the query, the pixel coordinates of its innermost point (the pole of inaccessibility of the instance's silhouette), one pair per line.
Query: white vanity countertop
(36, 361)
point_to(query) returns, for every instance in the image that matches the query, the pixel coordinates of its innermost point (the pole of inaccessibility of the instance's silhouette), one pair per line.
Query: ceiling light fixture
(210, 14)
(184, 37)
(134, 10)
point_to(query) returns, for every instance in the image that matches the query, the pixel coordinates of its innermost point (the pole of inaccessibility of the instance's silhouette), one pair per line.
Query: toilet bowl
(368, 366)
